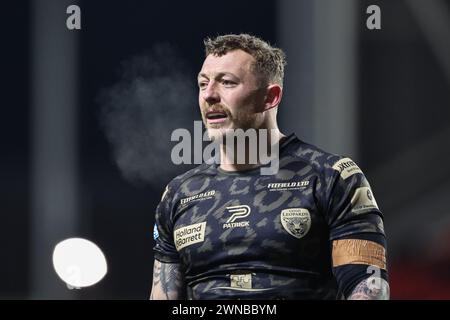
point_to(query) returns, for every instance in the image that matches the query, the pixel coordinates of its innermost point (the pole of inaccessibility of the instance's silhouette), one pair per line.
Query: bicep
(168, 281)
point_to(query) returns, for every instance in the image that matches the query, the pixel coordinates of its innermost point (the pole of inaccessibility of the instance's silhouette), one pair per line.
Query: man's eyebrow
(218, 75)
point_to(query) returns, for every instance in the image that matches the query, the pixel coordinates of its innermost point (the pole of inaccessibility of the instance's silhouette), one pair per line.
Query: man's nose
(210, 94)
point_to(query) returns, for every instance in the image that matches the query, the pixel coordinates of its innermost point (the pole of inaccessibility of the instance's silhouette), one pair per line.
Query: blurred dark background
(379, 96)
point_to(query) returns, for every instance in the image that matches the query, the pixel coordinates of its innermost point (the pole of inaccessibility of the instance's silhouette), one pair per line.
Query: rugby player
(312, 230)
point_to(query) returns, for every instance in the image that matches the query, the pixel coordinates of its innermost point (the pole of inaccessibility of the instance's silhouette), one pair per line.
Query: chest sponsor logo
(199, 196)
(296, 221)
(189, 235)
(283, 186)
(237, 213)
(347, 167)
(363, 200)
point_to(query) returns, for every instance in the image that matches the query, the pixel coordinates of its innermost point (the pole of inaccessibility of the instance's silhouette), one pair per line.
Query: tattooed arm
(372, 288)
(168, 282)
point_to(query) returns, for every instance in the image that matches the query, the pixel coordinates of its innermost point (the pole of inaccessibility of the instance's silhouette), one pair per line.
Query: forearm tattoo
(168, 282)
(372, 288)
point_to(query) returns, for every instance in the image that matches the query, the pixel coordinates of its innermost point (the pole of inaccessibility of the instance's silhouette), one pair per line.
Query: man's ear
(273, 96)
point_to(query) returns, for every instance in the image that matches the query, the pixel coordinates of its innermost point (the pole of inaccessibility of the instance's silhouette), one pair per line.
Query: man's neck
(229, 160)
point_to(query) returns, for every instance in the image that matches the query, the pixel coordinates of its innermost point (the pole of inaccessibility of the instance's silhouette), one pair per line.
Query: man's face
(230, 96)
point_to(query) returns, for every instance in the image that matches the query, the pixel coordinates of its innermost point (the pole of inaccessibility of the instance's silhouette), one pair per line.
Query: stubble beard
(242, 120)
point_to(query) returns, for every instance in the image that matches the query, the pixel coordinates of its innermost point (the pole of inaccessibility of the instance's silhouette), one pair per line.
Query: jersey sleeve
(351, 205)
(164, 249)
(356, 227)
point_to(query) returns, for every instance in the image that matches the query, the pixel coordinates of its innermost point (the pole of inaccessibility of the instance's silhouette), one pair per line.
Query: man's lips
(216, 116)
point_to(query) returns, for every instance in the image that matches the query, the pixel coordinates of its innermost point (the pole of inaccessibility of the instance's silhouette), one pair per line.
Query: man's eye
(228, 83)
(202, 85)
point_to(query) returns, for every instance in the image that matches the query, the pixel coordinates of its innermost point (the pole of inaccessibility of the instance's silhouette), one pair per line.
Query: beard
(244, 118)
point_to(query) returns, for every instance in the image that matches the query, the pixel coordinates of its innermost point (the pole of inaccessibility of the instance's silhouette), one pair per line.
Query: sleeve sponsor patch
(347, 167)
(155, 232)
(363, 200)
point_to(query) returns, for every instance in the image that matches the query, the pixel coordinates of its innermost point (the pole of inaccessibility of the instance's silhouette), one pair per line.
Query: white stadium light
(79, 262)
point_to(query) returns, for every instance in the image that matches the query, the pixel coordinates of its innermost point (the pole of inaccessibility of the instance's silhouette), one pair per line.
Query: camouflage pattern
(248, 251)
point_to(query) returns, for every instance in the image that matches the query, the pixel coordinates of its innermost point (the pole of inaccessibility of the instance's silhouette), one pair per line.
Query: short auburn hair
(269, 61)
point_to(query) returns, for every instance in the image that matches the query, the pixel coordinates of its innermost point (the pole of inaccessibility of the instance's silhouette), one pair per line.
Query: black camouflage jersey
(243, 235)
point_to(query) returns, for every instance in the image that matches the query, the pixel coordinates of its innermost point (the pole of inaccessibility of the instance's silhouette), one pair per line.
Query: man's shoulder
(203, 169)
(320, 160)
